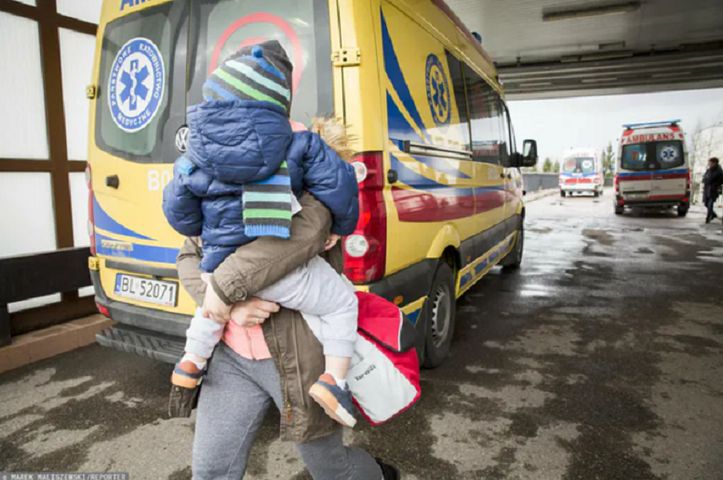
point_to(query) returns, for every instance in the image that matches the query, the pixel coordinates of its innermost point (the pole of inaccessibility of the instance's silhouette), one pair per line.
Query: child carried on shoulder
(240, 179)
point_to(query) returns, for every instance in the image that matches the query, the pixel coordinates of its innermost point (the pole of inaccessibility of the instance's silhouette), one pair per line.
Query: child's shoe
(185, 383)
(187, 373)
(335, 401)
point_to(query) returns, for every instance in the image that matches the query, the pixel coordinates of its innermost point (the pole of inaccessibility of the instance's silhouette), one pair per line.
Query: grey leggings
(235, 396)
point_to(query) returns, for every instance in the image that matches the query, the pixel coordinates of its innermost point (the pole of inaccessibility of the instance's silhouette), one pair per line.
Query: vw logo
(182, 139)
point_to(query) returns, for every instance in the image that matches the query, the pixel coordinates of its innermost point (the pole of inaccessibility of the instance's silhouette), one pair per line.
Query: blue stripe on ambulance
(441, 165)
(106, 222)
(679, 171)
(578, 175)
(399, 127)
(414, 316)
(147, 253)
(481, 266)
(394, 72)
(420, 182)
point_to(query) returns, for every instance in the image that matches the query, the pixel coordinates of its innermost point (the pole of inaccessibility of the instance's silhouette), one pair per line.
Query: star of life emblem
(136, 84)
(669, 154)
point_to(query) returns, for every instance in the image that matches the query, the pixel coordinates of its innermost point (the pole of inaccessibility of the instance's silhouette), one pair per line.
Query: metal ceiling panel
(658, 45)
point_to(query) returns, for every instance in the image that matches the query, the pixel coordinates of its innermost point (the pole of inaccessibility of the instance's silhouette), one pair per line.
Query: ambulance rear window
(154, 62)
(136, 78)
(220, 27)
(579, 165)
(652, 156)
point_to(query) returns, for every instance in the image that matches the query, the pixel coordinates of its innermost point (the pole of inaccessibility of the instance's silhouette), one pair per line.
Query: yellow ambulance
(441, 195)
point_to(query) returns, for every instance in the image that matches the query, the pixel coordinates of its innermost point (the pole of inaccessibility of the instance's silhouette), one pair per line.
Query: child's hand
(331, 241)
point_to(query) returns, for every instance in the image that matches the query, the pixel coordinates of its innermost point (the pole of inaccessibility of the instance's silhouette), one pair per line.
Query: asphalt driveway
(601, 359)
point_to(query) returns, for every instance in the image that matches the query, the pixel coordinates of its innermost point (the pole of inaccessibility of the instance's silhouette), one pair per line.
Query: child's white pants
(314, 289)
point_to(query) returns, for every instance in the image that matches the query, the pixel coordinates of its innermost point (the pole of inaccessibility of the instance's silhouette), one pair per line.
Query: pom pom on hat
(257, 51)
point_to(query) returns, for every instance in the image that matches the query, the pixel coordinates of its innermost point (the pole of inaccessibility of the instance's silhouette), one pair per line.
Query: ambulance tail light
(103, 310)
(616, 183)
(365, 250)
(91, 217)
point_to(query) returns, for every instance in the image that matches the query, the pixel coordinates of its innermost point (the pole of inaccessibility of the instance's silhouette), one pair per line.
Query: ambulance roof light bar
(664, 123)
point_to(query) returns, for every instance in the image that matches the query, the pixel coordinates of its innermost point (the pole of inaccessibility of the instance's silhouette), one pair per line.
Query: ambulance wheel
(682, 210)
(619, 210)
(596, 194)
(562, 193)
(513, 260)
(439, 317)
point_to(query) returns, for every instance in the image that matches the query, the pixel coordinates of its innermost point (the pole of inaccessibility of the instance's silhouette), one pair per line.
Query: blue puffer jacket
(235, 142)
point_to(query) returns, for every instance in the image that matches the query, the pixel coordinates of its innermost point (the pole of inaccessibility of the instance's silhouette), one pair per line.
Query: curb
(538, 194)
(48, 342)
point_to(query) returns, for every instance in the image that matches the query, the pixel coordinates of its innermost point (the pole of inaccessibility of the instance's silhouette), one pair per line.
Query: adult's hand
(253, 311)
(215, 308)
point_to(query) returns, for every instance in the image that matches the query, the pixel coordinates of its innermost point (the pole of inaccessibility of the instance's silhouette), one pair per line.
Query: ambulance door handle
(112, 181)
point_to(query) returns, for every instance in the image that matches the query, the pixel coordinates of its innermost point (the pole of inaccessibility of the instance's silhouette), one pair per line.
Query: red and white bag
(384, 373)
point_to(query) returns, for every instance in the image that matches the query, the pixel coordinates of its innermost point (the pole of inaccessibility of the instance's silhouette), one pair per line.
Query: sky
(559, 124)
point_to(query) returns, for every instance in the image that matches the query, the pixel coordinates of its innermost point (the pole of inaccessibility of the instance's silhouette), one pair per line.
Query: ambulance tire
(439, 317)
(682, 210)
(619, 210)
(513, 260)
(562, 193)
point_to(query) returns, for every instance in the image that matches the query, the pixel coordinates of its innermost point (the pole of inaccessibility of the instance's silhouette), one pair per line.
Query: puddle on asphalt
(536, 290)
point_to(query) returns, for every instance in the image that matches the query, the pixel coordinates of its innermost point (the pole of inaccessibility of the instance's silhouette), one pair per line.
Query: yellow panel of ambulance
(440, 191)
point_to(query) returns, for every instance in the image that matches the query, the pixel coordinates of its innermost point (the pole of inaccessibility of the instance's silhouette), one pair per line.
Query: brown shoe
(185, 384)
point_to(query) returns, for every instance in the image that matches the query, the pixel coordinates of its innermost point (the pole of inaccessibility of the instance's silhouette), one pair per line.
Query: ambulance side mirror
(529, 153)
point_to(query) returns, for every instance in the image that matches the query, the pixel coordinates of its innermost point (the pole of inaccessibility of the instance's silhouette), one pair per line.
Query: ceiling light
(599, 80)
(611, 46)
(534, 84)
(606, 55)
(596, 56)
(590, 11)
(671, 75)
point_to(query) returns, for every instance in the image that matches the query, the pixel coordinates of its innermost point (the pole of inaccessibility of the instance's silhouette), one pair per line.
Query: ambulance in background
(652, 170)
(581, 171)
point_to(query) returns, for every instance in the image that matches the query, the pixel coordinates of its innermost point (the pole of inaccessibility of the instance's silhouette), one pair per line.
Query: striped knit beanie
(259, 72)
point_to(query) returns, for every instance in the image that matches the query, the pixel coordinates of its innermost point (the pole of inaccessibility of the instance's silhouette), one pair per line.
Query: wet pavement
(602, 358)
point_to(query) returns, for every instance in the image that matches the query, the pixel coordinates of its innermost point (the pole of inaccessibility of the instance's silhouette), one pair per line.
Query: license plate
(635, 195)
(146, 289)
